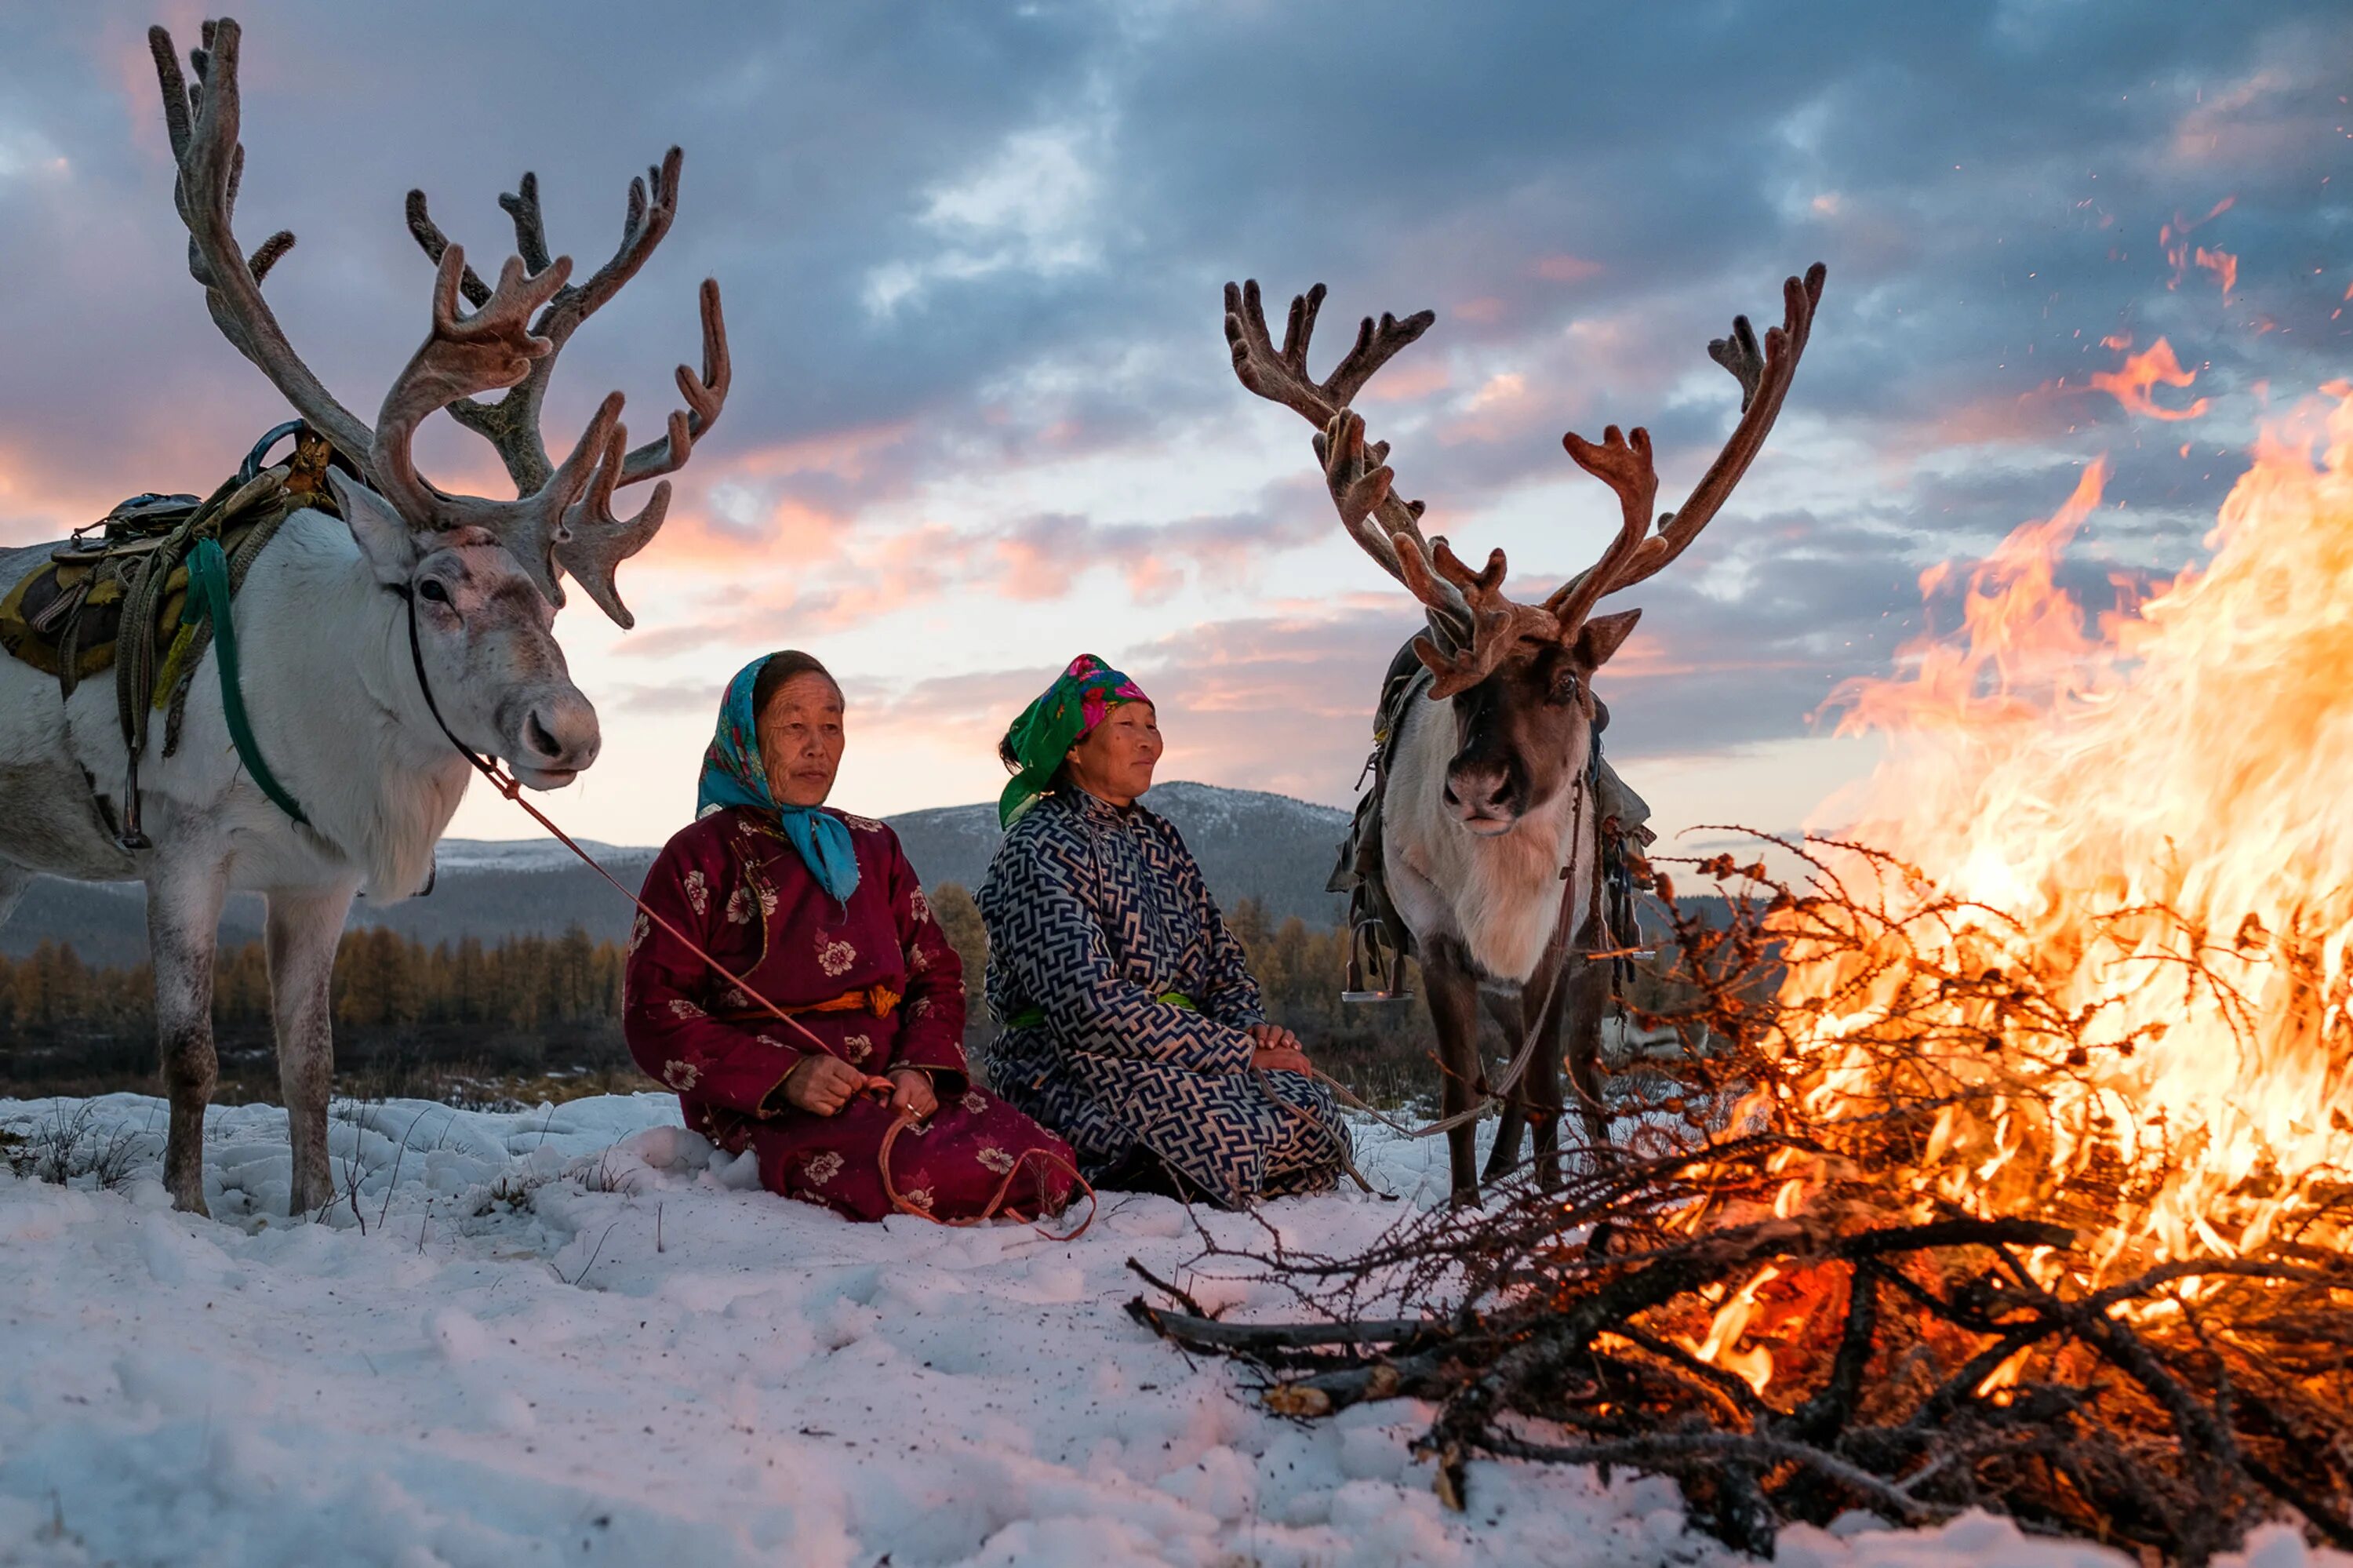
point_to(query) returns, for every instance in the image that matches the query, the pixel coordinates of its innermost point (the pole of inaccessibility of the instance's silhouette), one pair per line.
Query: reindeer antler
(1472, 625)
(202, 124)
(1386, 526)
(1765, 379)
(1282, 375)
(1623, 465)
(463, 355)
(594, 541)
(563, 518)
(511, 425)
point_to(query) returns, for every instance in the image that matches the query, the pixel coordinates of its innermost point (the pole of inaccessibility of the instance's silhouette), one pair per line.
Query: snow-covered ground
(571, 1334)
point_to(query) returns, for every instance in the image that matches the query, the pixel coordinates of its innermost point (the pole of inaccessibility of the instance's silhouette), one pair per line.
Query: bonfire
(2006, 1163)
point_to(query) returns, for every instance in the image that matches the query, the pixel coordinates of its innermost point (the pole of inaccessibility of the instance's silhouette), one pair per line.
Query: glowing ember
(2222, 264)
(2142, 373)
(2173, 239)
(2152, 819)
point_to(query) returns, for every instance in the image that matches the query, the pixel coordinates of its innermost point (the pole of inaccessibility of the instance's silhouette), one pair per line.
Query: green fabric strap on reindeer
(209, 600)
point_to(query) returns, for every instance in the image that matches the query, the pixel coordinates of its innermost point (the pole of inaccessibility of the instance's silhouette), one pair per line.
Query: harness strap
(208, 601)
(508, 785)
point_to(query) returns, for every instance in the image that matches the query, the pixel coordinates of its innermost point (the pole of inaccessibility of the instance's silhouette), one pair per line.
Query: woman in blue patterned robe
(1130, 1023)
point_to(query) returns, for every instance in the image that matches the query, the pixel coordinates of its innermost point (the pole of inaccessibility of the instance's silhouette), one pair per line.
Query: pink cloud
(1564, 268)
(852, 453)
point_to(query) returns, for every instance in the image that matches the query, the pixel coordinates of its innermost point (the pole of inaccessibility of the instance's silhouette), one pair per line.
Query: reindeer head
(1520, 676)
(483, 577)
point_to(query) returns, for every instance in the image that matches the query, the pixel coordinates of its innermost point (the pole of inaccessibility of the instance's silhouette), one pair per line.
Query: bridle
(504, 782)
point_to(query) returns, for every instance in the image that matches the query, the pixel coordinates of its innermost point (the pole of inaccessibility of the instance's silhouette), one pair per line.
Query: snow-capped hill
(532, 854)
(1250, 844)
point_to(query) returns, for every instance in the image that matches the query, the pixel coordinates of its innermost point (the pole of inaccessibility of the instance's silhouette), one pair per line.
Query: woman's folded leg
(1234, 1137)
(1316, 1147)
(952, 1166)
(978, 1157)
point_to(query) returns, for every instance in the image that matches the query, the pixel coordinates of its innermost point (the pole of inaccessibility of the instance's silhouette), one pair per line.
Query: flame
(2173, 239)
(2005, 1375)
(2142, 373)
(2175, 774)
(1753, 1365)
(2222, 264)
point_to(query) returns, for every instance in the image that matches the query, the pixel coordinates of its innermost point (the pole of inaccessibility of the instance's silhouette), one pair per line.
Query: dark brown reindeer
(1489, 828)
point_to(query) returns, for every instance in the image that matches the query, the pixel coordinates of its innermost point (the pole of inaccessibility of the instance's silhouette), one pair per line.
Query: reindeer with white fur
(1491, 831)
(376, 645)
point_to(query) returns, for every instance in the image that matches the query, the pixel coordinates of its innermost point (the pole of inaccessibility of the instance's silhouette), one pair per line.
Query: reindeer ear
(1600, 636)
(383, 535)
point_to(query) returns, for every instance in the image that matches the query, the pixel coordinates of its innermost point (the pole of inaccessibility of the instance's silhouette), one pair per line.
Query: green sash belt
(209, 600)
(1031, 1017)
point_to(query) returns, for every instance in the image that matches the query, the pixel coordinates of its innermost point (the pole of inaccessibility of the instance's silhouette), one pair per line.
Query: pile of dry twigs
(1772, 1296)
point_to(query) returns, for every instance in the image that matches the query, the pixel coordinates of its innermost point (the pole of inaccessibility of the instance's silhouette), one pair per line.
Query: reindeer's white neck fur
(1502, 896)
(353, 739)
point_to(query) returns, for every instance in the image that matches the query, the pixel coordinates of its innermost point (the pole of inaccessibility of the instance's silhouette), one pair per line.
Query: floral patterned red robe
(734, 884)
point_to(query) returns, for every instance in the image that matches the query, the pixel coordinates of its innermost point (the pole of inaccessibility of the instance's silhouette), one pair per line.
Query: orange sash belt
(878, 1000)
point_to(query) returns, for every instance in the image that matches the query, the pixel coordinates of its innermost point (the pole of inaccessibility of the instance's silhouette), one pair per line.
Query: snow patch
(578, 1332)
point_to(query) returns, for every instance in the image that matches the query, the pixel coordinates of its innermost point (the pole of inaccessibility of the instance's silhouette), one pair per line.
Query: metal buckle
(1367, 953)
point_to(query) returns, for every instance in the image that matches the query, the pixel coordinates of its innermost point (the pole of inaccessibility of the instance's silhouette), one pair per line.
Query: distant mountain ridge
(1250, 844)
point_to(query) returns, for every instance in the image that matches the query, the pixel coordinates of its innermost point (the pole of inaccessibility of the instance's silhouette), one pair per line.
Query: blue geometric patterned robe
(1095, 913)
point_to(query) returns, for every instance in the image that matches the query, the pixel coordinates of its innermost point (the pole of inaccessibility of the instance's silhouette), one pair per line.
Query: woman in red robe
(819, 913)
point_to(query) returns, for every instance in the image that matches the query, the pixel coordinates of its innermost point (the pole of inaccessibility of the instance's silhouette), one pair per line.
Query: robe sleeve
(1233, 995)
(932, 1015)
(1229, 994)
(1062, 959)
(670, 1032)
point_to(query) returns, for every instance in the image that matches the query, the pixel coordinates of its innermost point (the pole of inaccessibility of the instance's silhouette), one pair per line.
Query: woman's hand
(911, 1093)
(821, 1085)
(1274, 1049)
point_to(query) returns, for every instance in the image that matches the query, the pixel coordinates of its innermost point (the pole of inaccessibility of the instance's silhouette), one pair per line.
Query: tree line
(382, 979)
(534, 1004)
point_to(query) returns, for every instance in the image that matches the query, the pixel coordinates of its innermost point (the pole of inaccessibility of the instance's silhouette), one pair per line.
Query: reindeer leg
(1503, 1156)
(1586, 990)
(1543, 1078)
(303, 929)
(184, 909)
(13, 880)
(1453, 988)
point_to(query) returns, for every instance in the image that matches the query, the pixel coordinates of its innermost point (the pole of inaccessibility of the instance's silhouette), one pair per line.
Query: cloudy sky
(983, 417)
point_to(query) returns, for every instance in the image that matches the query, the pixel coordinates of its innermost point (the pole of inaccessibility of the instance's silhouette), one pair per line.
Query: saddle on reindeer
(150, 592)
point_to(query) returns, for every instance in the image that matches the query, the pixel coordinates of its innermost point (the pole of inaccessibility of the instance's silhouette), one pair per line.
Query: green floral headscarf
(1080, 699)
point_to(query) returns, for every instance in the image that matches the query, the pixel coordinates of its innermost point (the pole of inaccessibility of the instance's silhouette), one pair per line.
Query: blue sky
(983, 417)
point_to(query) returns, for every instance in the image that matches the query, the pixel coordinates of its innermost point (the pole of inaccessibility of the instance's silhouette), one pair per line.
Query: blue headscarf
(732, 775)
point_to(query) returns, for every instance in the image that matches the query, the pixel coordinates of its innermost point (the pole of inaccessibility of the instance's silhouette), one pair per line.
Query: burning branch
(1845, 1269)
